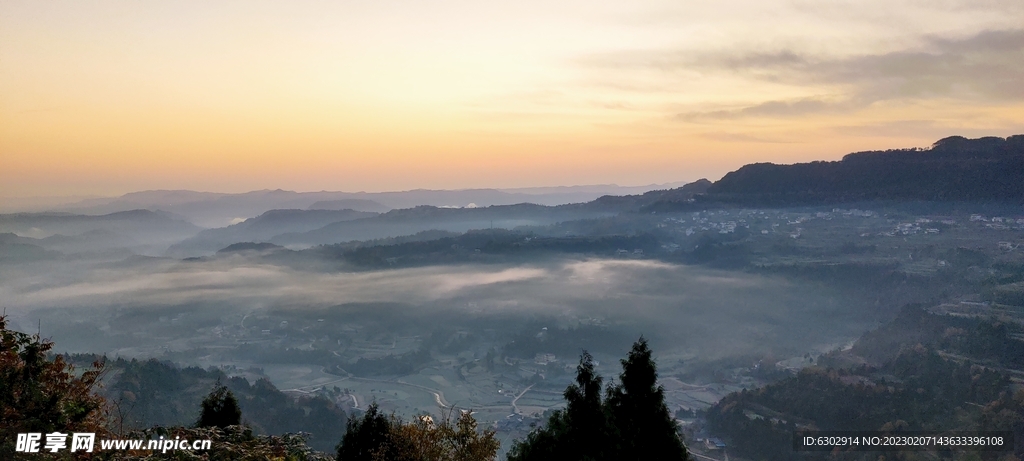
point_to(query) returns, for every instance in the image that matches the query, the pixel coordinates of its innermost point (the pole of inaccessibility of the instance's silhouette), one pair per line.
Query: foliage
(376, 437)
(632, 422)
(366, 437)
(220, 409)
(644, 427)
(43, 394)
(988, 340)
(153, 393)
(918, 390)
(1006, 414)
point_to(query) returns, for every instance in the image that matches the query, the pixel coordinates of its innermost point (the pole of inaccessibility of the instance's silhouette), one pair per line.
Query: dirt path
(515, 409)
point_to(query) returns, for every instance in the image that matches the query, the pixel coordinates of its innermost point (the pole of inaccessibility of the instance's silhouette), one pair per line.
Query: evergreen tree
(367, 438)
(586, 430)
(633, 422)
(575, 433)
(220, 409)
(643, 428)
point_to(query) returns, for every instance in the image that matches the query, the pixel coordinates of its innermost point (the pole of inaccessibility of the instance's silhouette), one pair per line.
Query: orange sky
(111, 97)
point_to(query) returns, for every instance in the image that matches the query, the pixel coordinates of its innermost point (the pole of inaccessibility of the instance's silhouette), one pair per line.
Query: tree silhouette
(643, 426)
(220, 409)
(366, 438)
(587, 424)
(632, 423)
(575, 432)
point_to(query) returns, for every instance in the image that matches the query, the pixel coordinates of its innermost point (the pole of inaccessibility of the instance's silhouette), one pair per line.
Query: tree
(375, 437)
(43, 394)
(220, 409)
(577, 432)
(366, 438)
(643, 427)
(632, 422)
(587, 427)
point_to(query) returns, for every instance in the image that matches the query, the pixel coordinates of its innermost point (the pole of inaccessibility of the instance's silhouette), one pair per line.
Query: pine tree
(220, 409)
(576, 433)
(367, 438)
(642, 425)
(587, 424)
(633, 422)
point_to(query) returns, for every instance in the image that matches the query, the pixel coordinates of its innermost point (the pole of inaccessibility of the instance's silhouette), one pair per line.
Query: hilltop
(953, 169)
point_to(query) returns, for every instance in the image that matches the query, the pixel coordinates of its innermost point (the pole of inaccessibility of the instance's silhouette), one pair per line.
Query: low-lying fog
(117, 308)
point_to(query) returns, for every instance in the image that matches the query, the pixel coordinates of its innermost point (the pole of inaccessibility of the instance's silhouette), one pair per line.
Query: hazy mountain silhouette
(143, 230)
(356, 204)
(412, 220)
(248, 246)
(953, 169)
(122, 233)
(262, 228)
(15, 249)
(683, 194)
(211, 210)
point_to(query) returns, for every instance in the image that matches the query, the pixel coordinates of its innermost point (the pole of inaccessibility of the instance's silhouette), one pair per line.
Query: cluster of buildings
(794, 224)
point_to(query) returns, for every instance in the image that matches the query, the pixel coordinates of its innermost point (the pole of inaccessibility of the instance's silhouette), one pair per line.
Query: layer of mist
(692, 311)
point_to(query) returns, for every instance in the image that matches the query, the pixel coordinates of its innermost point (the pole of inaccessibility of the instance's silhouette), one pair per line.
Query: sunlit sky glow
(229, 96)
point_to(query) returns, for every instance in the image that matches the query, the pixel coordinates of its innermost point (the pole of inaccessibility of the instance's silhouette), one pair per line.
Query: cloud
(932, 129)
(987, 67)
(743, 137)
(773, 109)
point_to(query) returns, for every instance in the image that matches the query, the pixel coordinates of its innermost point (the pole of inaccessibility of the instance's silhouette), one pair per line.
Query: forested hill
(953, 169)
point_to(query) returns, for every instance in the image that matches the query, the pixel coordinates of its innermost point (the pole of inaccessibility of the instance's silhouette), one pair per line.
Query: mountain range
(954, 169)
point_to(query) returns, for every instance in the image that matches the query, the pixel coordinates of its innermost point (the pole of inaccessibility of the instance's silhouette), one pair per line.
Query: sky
(104, 98)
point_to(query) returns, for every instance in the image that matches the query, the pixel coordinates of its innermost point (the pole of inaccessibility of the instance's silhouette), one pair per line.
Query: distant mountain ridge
(953, 169)
(409, 221)
(142, 231)
(129, 222)
(262, 228)
(356, 204)
(679, 195)
(211, 209)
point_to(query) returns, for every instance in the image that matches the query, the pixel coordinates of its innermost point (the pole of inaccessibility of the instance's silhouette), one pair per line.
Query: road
(438, 395)
(708, 457)
(515, 409)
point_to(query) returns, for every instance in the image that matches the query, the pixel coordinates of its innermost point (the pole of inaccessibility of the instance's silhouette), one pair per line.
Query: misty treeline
(152, 393)
(482, 246)
(929, 378)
